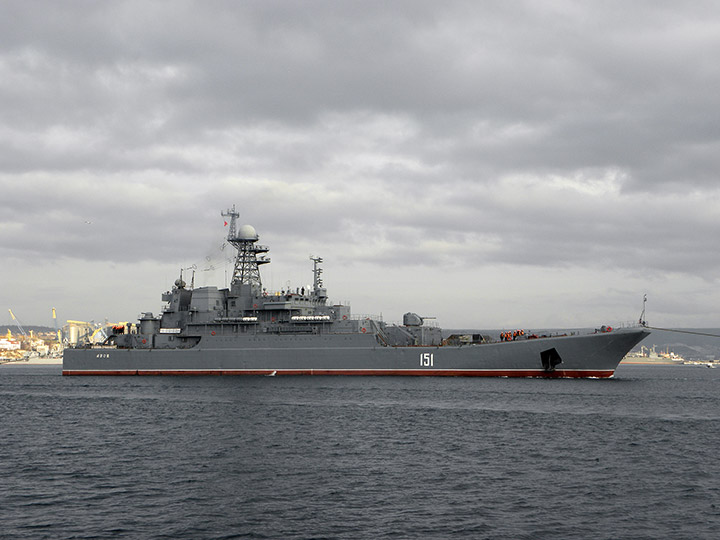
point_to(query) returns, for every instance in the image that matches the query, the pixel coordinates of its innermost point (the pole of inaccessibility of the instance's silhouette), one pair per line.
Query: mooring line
(682, 331)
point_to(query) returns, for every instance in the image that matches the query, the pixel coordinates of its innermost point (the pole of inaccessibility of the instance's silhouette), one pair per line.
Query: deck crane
(14, 318)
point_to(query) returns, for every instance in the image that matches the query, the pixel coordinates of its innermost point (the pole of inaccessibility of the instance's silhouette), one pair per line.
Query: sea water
(637, 456)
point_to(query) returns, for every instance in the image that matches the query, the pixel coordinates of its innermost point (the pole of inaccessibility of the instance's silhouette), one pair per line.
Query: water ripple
(385, 458)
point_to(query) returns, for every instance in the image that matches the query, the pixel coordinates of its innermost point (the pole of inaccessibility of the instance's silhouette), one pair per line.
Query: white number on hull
(102, 355)
(427, 359)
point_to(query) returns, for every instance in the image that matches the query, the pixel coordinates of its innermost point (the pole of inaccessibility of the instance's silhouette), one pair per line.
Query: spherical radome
(247, 232)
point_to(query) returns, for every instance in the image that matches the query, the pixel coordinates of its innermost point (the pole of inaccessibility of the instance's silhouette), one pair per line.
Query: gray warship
(246, 330)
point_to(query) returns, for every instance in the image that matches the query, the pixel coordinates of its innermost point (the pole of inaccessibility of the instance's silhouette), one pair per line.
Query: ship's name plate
(170, 330)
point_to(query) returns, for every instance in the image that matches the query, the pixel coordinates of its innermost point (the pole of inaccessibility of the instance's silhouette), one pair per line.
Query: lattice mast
(247, 262)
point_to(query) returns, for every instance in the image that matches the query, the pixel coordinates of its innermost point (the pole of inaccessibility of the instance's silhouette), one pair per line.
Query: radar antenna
(247, 262)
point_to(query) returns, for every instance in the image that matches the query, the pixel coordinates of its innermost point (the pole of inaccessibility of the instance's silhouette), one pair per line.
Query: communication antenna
(317, 272)
(642, 320)
(319, 291)
(233, 215)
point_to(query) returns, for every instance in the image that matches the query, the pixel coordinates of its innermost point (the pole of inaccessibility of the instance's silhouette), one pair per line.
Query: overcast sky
(495, 164)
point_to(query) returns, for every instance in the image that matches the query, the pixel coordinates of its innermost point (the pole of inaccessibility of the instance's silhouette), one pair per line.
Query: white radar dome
(247, 232)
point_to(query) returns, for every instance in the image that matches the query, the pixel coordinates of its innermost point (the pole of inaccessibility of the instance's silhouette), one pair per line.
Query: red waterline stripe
(366, 372)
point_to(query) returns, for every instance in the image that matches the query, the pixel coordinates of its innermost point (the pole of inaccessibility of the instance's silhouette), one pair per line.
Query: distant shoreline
(623, 362)
(32, 362)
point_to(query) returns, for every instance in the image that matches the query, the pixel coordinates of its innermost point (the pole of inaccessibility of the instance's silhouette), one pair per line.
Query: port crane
(57, 331)
(14, 318)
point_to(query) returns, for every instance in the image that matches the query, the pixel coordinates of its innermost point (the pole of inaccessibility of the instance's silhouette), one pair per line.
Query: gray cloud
(418, 141)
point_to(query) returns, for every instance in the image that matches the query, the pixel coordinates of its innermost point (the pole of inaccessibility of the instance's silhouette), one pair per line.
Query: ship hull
(591, 355)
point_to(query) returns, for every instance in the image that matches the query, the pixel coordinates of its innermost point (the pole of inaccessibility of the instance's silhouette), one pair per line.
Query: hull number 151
(427, 359)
